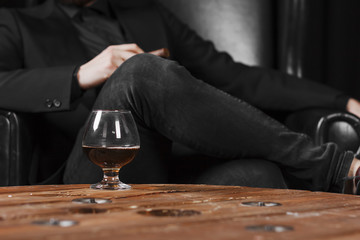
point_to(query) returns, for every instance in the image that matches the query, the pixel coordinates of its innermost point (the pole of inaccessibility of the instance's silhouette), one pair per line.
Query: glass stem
(111, 176)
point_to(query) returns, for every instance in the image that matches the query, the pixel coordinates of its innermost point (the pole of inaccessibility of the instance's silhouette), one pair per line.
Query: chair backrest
(243, 28)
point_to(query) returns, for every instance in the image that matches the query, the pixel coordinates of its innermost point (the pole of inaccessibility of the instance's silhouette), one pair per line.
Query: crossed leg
(169, 105)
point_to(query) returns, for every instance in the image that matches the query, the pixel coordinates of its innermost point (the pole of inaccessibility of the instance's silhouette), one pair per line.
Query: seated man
(61, 59)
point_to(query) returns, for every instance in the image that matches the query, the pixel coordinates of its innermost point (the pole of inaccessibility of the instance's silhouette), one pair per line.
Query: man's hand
(100, 68)
(353, 106)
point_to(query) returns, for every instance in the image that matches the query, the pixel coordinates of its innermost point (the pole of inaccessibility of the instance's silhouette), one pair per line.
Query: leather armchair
(246, 29)
(238, 27)
(15, 149)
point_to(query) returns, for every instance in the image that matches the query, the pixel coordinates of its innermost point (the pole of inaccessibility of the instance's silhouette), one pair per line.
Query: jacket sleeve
(29, 89)
(264, 88)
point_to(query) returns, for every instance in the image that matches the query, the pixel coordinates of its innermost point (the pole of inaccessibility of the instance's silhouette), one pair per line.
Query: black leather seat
(246, 29)
(15, 147)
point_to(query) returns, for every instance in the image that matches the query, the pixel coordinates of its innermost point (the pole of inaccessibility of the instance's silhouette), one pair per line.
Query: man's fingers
(132, 47)
(121, 56)
(125, 55)
(119, 50)
(162, 52)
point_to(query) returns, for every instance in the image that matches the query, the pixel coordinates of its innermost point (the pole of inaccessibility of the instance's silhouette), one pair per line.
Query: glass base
(112, 186)
(110, 181)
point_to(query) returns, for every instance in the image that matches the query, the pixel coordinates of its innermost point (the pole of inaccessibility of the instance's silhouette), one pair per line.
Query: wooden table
(176, 212)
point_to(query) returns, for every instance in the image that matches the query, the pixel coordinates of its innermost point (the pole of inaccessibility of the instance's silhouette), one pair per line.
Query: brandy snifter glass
(111, 141)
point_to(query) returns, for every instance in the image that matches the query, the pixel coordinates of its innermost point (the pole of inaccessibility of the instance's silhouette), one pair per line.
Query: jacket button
(56, 103)
(48, 103)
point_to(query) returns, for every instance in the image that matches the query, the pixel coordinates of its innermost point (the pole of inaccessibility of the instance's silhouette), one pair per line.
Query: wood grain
(218, 213)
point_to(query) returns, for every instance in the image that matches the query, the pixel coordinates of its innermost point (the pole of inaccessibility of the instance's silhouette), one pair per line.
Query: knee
(141, 62)
(141, 70)
(146, 74)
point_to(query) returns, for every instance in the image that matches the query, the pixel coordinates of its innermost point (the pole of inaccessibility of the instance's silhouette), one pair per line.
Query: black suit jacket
(39, 50)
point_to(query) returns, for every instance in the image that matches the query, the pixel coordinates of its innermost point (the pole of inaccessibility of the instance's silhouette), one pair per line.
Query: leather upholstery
(5, 148)
(14, 149)
(291, 22)
(342, 128)
(244, 28)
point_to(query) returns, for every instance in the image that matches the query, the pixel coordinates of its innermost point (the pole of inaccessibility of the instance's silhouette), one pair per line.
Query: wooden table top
(176, 212)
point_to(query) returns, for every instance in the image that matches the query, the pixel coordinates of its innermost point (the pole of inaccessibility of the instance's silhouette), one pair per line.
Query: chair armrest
(15, 141)
(341, 128)
(324, 125)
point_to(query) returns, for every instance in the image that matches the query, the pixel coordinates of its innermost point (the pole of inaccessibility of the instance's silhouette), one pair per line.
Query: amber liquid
(111, 157)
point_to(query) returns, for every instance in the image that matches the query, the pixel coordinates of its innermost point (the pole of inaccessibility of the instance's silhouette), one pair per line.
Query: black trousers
(170, 105)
